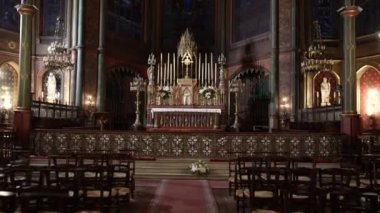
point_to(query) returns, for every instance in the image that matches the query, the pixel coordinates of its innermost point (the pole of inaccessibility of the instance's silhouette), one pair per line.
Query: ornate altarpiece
(186, 90)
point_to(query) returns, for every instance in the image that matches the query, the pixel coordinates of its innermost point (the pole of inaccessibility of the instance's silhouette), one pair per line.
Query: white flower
(199, 167)
(194, 167)
(202, 170)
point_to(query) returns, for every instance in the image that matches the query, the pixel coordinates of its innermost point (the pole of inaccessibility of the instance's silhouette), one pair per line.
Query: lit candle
(165, 72)
(199, 68)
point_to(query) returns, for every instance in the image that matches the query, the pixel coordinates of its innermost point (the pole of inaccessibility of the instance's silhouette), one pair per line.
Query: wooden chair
(232, 168)
(38, 200)
(356, 200)
(242, 181)
(301, 192)
(122, 185)
(336, 181)
(95, 187)
(8, 202)
(264, 191)
(126, 159)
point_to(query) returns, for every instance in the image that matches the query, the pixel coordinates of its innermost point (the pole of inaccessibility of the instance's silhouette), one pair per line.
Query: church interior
(190, 105)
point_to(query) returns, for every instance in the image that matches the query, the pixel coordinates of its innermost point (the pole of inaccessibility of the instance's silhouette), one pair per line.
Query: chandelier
(58, 56)
(314, 58)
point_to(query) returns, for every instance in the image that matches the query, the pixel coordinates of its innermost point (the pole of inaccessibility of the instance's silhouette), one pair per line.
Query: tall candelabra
(235, 88)
(138, 84)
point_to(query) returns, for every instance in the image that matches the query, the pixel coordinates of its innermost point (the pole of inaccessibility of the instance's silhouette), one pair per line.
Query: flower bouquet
(164, 93)
(199, 167)
(208, 93)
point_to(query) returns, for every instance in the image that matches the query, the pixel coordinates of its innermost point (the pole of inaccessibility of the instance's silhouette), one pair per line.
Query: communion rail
(211, 145)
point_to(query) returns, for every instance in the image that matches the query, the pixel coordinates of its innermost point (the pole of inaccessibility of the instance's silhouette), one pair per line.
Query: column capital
(26, 9)
(350, 10)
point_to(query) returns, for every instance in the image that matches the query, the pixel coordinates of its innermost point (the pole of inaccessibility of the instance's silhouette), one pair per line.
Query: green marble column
(349, 12)
(295, 63)
(350, 121)
(274, 72)
(22, 115)
(100, 97)
(80, 54)
(27, 11)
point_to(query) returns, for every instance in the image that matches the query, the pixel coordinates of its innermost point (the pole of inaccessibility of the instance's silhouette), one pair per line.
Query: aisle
(183, 196)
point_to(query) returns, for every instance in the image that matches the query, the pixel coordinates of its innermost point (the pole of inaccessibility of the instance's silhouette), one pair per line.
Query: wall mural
(250, 18)
(370, 98)
(126, 17)
(197, 15)
(9, 17)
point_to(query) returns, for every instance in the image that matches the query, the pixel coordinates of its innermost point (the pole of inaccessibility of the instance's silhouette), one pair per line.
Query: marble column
(350, 121)
(274, 72)
(80, 54)
(100, 94)
(294, 86)
(74, 39)
(22, 117)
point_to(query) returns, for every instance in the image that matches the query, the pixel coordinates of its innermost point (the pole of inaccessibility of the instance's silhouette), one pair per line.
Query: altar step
(178, 168)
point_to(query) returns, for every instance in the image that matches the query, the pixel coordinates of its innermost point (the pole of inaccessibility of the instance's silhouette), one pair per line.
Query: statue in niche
(325, 92)
(51, 86)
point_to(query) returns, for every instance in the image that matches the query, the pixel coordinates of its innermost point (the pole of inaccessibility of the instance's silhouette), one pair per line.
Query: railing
(214, 145)
(54, 110)
(321, 114)
(7, 143)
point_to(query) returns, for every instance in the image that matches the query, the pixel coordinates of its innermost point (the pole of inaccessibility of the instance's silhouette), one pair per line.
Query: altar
(186, 90)
(186, 118)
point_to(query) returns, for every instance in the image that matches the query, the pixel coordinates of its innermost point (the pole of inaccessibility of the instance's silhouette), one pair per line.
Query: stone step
(178, 168)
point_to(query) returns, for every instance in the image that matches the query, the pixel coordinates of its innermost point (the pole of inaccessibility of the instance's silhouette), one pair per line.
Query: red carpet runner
(183, 196)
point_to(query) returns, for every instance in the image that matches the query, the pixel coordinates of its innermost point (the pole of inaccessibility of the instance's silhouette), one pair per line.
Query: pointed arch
(368, 79)
(120, 100)
(253, 100)
(9, 73)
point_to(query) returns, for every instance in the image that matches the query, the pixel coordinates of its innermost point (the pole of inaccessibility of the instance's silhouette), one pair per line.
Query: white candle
(209, 74)
(158, 75)
(161, 82)
(165, 72)
(199, 68)
(174, 70)
(206, 70)
(216, 72)
(203, 74)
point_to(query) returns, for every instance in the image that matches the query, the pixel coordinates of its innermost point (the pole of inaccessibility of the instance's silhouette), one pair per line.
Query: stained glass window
(197, 15)
(9, 17)
(126, 17)
(250, 18)
(51, 10)
(325, 12)
(368, 21)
